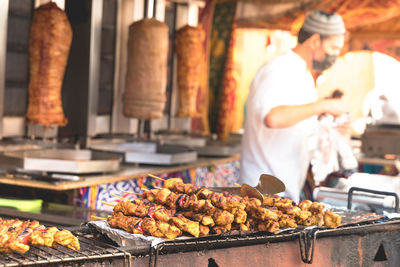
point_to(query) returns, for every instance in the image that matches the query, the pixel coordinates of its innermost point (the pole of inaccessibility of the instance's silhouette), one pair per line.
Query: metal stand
(3, 51)
(81, 83)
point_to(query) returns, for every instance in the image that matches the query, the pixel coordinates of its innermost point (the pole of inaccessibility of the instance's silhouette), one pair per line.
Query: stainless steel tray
(184, 141)
(61, 161)
(219, 149)
(146, 147)
(21, 144)
(149, 152)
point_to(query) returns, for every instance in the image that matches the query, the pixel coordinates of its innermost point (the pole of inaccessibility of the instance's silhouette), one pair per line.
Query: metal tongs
(267, 185)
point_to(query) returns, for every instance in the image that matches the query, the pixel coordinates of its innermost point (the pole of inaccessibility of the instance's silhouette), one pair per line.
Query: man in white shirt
(282, 106)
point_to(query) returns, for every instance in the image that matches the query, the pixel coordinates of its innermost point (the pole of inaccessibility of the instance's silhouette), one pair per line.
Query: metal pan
(61, 161)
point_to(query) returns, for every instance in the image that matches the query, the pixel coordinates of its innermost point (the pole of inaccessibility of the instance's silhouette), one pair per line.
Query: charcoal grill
(93, 252)
(357, 244)
(363, 239)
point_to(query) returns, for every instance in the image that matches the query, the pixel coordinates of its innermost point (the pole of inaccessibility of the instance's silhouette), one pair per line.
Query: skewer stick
(144, 188)
(98, 218)
(121, 197)
(132, 193)
(155, 186)
(156, 177)
(108, 204)
(238, 185)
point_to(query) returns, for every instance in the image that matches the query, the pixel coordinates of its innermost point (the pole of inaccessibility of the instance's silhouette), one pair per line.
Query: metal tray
(149, 152)
(219, 148)
(184, 141)
(21, 144)
(61, 161)
(112, 146)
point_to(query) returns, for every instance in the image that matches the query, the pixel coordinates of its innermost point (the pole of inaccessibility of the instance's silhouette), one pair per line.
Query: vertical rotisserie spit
(190, 55)
(146, 77)
(49, 44)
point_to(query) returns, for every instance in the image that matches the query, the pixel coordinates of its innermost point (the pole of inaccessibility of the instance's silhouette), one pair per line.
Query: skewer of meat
(306, 213)
(17, 235)
(149, 226)
(157, 215)
(273, 213)
(185, 202)
(143, 209)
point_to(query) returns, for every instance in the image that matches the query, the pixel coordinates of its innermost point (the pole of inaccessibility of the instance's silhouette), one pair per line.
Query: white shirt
(282, 152)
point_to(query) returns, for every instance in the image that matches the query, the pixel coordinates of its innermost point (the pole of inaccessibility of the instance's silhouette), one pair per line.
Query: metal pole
(171, 73)
(145, 9)
(154, 8)
(3, 51)
(94, 65)
(139, 129)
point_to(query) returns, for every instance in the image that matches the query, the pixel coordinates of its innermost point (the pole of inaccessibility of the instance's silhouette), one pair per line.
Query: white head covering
(324, 23)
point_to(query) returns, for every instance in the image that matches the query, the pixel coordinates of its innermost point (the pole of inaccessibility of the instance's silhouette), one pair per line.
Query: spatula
(269, 185)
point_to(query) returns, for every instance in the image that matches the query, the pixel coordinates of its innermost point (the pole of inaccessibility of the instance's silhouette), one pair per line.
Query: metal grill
(305, 237)
(92, 252)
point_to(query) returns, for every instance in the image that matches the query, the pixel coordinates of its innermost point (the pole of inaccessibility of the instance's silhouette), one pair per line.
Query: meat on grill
(49, 44)
(199, 211)
(17, 236)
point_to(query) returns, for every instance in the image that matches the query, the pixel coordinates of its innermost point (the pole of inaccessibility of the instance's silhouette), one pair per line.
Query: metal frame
(334, 247)
(3, 50)
(94, 66)
(81, 82)
(128, 12)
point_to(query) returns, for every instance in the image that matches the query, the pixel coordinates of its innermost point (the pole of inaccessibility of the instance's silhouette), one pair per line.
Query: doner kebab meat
(49, 44)
(146, 78)
(190, 57)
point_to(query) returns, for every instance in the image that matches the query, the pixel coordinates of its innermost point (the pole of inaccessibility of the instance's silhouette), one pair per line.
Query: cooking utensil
(269, 185)
(249, 191)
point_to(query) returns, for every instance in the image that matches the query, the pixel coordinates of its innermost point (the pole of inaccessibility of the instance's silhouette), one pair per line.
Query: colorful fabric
(223, 18)
(387, 169)
(363, 12)
(355, 13)
(93, 197)
(218, 175)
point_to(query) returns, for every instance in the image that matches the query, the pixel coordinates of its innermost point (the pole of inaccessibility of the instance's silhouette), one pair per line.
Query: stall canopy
(289, 14)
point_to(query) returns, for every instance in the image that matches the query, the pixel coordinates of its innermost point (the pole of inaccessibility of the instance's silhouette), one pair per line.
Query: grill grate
(228, 240)
(92, 250)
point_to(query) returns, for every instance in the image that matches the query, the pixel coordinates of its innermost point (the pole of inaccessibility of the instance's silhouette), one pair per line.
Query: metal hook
(307, 243)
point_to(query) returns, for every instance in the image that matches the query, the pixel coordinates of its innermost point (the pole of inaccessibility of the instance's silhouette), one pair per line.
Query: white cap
(324, 23)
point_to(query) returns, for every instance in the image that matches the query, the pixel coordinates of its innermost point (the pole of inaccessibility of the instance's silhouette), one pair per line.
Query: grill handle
(352, 189)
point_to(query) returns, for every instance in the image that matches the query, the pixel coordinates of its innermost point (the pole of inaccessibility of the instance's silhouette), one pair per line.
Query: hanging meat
(49, 44)
(190, 55)
(146, 78)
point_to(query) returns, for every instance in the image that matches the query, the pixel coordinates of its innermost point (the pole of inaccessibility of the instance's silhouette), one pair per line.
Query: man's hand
(286, 116)
(333, 106)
